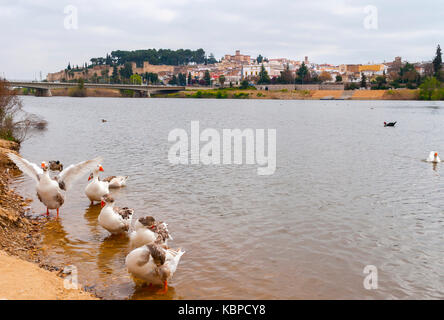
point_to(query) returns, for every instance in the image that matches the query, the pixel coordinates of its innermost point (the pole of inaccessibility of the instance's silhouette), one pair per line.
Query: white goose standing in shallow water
(147, 230)
(50, 190)
(114, 219)
(153, 264)
(96, 189)
(433, 157)
(113, 181)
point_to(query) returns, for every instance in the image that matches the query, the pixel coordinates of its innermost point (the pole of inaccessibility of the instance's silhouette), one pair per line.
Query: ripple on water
(347, 193)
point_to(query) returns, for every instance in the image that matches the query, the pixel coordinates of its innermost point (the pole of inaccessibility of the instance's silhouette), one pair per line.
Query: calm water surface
(347, 193)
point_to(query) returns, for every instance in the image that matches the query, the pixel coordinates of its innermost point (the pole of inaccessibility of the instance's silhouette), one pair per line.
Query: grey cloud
(326, 31)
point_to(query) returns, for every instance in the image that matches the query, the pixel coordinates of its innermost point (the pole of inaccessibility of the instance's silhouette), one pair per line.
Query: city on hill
(194, 68)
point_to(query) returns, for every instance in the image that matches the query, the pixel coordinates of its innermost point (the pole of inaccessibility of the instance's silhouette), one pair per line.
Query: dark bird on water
(390, 124)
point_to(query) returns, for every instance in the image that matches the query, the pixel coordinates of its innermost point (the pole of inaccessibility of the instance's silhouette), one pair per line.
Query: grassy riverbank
(232, 93)
(285, 94)
(22, 270)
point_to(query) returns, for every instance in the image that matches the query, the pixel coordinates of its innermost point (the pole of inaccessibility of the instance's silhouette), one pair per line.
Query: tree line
(155, 57)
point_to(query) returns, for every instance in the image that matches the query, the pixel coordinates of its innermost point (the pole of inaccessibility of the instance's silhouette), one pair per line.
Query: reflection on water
(347, 193)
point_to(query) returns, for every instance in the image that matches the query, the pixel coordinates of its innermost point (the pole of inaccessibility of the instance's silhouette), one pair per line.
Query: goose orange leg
(47, 212)
(57, 213)
(165, 288)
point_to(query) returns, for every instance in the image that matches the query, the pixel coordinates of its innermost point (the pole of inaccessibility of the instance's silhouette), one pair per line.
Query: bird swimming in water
(113, 181)
(390, 124)
(433, 157)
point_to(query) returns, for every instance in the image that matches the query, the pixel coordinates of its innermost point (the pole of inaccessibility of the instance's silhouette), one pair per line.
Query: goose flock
(150, 259)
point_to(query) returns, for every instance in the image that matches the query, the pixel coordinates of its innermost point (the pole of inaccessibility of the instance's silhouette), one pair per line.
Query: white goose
(115, 220)
(433, 157)
(153, 264)
(50, 190)
(147, 230)
(113, 181)
(96, 189)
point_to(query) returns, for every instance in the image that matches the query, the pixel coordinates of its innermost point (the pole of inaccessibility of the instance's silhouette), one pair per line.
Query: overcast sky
(34, 37)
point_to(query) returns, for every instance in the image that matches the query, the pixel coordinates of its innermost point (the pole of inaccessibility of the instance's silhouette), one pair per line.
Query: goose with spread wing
(51, 191)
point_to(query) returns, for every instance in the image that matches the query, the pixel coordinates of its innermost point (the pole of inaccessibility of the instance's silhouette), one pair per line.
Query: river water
(346, 193)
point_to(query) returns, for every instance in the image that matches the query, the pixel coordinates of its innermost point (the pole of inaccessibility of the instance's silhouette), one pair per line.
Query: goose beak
(102, 203)
(43, 165)
(436, 154)
(89, 178)
(101, 168)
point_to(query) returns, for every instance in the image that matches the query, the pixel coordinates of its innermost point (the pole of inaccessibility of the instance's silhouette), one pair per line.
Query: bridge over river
(44, 88)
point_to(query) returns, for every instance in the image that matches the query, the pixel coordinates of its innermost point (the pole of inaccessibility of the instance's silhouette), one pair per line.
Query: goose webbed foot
(165, 288)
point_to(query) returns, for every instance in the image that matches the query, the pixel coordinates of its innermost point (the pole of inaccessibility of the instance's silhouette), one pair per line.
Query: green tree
(115, 75)
(207, 78)
(286, 76)
(264, 78)
(428, 88)
(190, 80)
(259, 59)
(381, 82)
(244, 84)
(94, 78)
(302, 73)
(127, 71)
(104, 74)
(338, 78)
(211, 59)
(136, 79)
(408, 75)
(108, 60)
(173, 80)
(182, 79)
(222, 80)
(437, 63)
(363, 80)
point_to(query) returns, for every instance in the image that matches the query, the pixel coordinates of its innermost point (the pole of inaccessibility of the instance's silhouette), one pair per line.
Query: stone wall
(277, 87)
(147, 67)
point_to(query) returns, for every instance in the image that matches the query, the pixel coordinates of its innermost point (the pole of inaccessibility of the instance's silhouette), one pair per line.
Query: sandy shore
(23, 280)
(22, 273)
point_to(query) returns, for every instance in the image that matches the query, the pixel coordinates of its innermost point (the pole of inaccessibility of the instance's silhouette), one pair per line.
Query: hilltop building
(238, 57)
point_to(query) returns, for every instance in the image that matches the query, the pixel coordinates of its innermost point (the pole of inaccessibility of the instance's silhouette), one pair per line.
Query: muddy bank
(404, 94)
(22, 267)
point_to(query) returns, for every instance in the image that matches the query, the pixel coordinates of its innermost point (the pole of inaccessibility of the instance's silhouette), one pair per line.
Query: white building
(253, 70)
